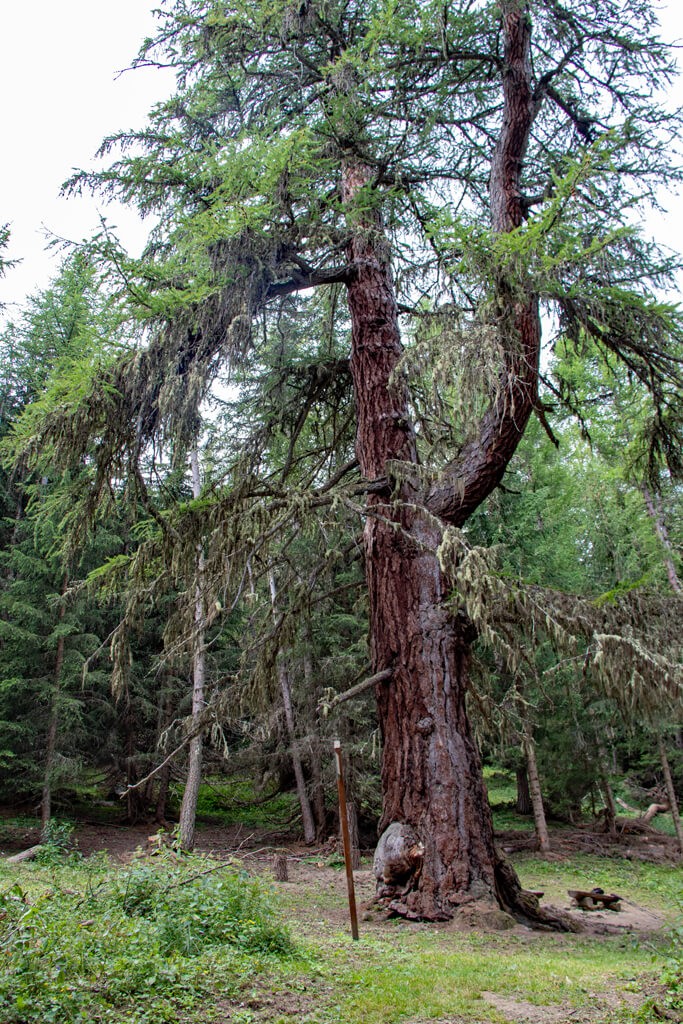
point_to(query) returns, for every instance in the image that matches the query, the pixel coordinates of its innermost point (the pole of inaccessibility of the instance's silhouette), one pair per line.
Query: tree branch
(309, 278)
(355, 691)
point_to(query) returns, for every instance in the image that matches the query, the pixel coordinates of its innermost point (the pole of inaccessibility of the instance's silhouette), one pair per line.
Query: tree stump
(280, 867)
(398, 860)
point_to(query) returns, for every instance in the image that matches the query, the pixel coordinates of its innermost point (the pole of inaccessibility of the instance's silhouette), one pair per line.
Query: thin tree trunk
(188, 807)
(354, 835)
(318, 808)
(535, 790)
(162, 795)
(53, 726)
(653, 505)
(133, 802)
(607, 791)
(163, 777)
(523, 804)
(670, 791)
(286, 691)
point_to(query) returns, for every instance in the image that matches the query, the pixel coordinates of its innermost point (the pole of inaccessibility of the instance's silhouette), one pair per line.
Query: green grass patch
(437, 975)
(193, 941)
(659, 886)
(235, 801)
(501, 786)
(141, 945)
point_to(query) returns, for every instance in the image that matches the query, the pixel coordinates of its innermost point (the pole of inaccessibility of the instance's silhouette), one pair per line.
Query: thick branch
(480, 466)
(302, 279)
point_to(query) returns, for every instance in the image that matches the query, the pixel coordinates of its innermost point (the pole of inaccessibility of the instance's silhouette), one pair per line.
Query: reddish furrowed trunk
(431, 771)
(432, 781)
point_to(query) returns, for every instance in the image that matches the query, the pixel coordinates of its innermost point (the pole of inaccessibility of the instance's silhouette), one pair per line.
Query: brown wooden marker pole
(344, 821)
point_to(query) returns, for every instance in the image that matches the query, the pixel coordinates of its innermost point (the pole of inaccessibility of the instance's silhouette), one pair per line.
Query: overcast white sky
(61, 96)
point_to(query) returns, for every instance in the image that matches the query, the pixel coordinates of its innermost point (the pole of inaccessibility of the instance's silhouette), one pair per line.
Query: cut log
(595, 899)
(29, 854)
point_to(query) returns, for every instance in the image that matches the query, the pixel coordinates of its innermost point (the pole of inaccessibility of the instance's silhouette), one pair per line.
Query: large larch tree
(452, 169)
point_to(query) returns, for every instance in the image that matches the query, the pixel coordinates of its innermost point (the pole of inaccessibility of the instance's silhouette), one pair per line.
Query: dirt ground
(317, 869)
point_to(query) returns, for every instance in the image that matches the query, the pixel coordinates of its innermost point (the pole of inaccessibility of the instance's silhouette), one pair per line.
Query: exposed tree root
(525, 906)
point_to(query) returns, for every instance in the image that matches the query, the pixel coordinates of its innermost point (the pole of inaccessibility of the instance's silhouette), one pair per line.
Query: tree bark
(188, 808)
(431, 772)
(432, 777)
(535, 790)
(480, 466)
(653, 504)
(53, 725)
(315, 745)
(670, 792)
(523, 803)
(286, 692)
(607, 791)
(354, 835)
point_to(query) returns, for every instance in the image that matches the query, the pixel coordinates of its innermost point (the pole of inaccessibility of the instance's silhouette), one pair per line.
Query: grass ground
(397, 973)
(71, 951)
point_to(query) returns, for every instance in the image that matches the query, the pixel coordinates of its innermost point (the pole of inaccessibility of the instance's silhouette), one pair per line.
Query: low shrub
(672, 974)
(136, 947)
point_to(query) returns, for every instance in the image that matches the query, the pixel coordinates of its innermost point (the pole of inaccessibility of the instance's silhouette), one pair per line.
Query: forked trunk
(432, 779)
(431, 771)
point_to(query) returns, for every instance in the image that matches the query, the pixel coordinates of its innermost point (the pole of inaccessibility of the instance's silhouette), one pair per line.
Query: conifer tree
(460, 167)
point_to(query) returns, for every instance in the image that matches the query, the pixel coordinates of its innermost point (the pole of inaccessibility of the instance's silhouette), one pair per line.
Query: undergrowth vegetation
(139, 945)
(191, 940)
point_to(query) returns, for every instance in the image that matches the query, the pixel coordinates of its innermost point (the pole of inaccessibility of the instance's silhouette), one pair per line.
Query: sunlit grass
(434, 974)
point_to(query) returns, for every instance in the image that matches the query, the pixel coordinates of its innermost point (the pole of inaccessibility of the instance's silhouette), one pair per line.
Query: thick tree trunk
(188, 808)
(431, 772)
(432, 777)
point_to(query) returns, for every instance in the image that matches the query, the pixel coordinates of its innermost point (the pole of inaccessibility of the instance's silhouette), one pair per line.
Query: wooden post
(344, 821)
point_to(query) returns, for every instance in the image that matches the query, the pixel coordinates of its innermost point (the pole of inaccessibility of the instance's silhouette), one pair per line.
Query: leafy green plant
(56, 842)
(136, 946)
(672, 974)
(198, 904)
